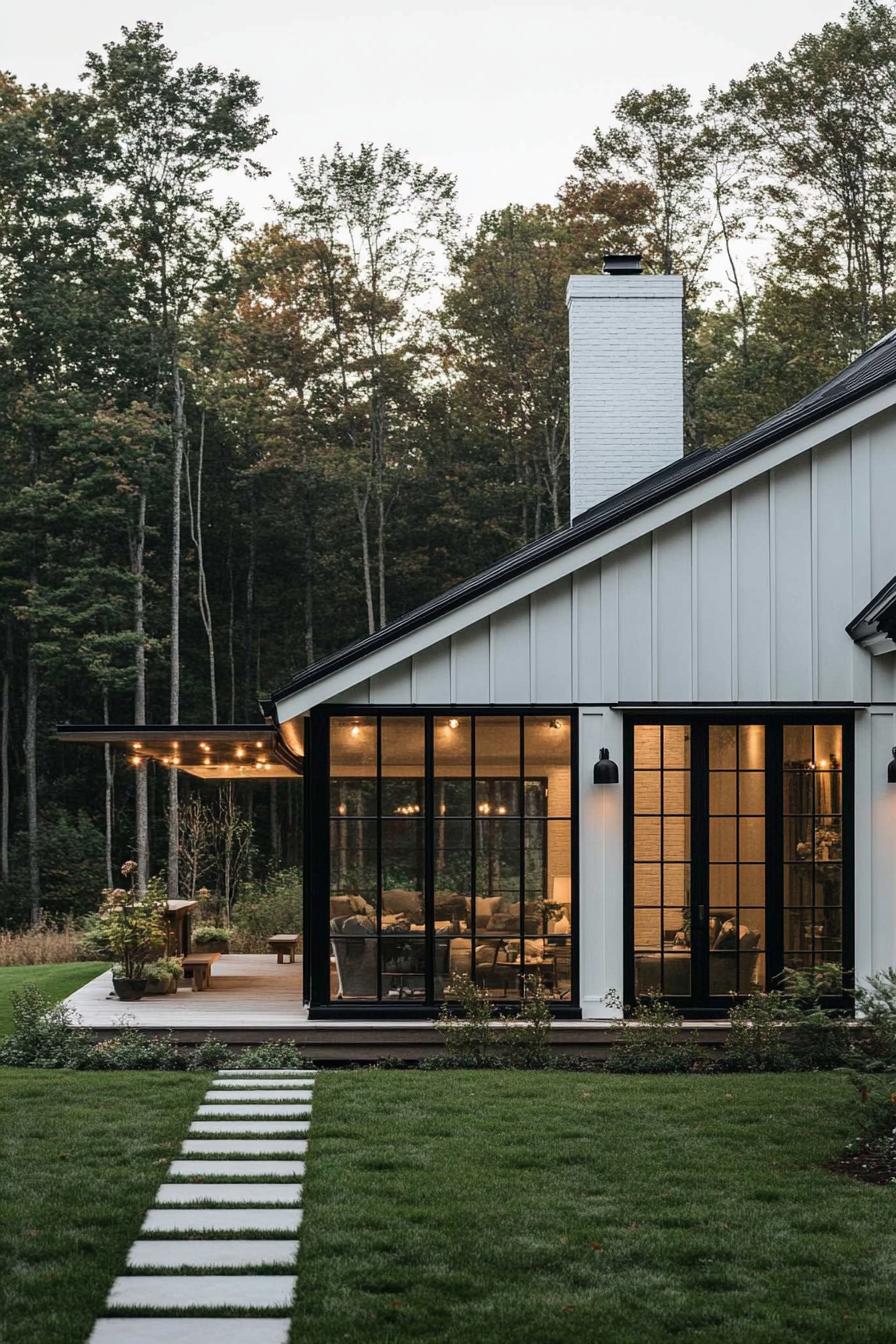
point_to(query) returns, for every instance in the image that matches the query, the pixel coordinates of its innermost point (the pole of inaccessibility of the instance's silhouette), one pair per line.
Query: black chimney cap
(622, 263)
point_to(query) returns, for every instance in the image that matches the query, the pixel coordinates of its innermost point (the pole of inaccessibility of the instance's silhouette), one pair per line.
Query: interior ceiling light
(356, 730)
(454, 723)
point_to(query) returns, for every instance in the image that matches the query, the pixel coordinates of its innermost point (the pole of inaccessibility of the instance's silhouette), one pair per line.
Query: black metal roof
(877, 618)
(874, 369)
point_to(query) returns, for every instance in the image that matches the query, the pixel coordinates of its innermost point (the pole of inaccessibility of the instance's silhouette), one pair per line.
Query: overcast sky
(499, 92)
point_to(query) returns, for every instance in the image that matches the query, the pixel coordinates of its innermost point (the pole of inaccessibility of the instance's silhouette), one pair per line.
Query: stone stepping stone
(246, 1147)
(162, 1292)
(259, 1112)
(258, 1094)
(229, 1193)
(189, 1329)
(234, 1167)
(231, 1254)
(262, 1082)
(248, 1073)
(249, 1127)
(222, 1220)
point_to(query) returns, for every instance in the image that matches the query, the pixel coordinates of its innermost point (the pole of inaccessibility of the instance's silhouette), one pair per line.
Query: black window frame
(773, 720)
(317, 903)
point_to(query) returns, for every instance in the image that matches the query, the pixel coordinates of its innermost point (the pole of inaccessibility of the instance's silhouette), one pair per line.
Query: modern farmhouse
(653, 750)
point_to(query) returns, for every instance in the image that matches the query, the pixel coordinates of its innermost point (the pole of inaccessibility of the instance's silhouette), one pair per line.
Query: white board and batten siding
(744, 599)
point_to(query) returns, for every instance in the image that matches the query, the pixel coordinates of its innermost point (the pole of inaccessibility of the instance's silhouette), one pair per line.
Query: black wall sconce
(891, 769)
(605, 770)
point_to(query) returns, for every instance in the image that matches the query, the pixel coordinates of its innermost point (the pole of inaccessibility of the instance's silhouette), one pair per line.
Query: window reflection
(813, 844)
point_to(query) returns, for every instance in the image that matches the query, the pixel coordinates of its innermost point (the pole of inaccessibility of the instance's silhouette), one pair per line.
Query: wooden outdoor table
(199, 966)
(284, 944)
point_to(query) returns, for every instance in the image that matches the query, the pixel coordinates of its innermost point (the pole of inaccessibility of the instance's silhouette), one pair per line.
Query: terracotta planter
(129, 990)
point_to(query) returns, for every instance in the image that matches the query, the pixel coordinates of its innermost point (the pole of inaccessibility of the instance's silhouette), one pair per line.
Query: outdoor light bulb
(454, 723)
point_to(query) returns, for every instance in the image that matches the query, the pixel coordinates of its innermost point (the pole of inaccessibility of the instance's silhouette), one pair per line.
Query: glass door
(738, 840)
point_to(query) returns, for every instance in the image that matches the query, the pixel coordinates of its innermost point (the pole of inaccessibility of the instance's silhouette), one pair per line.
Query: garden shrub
(820, 1038)
(757, 1041)
(271, 1055)
(469, 1039)
(524, 1041)
(651, 1043)
(264, 908)
(210, 1054)
(876, 1002)
(132, 1049)
(43, 1036)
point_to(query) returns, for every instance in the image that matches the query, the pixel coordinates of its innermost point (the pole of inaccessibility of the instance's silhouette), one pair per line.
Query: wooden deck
(252, 999)
(246, 993)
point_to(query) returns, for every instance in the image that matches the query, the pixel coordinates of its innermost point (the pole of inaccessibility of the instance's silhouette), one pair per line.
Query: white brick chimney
(626, 411)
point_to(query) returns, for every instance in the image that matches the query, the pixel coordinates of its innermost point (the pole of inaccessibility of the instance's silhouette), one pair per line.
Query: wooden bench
(284, 944)
(198, 965)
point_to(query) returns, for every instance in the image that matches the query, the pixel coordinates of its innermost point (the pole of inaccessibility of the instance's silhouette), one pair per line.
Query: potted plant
(163, 976)
(134, 926)
(211, 938)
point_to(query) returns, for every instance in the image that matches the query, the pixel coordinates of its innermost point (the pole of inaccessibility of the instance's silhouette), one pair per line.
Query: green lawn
(56, 981)
(81, 1156)
(498, 1208)
(563, 1209)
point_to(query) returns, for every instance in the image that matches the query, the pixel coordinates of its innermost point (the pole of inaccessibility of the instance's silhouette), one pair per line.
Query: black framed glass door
(738, 844)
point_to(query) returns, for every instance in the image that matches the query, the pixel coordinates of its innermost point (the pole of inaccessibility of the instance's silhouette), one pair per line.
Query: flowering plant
(133, 923)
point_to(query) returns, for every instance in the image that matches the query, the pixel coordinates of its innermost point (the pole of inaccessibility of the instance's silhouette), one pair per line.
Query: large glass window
(450, 851)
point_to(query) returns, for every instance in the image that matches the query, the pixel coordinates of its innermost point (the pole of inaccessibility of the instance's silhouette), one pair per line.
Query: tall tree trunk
(107, 767)
(250, 616)
(4, 760)
(179, 438)
(275, 825)
(31, 781)
(361, 504)
(308, 556)
(381, 553)
(141, 784)
(205, 610)
(231, 660)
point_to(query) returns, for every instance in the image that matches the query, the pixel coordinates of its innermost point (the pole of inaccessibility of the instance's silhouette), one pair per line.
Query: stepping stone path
(230, 1202)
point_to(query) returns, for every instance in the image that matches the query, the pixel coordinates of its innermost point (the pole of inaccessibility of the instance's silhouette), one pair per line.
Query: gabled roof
(875, 626)
(875, 369)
